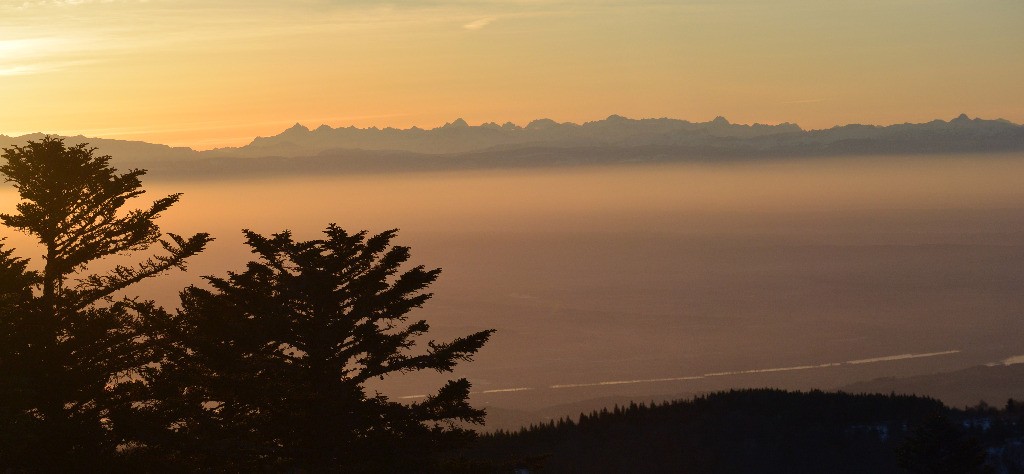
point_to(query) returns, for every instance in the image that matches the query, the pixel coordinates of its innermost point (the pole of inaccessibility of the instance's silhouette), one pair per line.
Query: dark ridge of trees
(765, 430)
(265, 371)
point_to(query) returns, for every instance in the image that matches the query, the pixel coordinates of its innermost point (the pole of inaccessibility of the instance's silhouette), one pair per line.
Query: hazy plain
(652, 279)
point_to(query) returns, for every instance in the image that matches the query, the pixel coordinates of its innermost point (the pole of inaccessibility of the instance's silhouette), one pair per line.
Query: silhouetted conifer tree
(270, 366)
(72, 357)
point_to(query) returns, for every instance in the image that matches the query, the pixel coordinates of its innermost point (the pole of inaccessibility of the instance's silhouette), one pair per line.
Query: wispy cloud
(108, 28)
(478, 24)
(873, 360)
(899, 357)
(37, 68)
(1014, 360)
(35, 55)
(803, 101)
(506, 390)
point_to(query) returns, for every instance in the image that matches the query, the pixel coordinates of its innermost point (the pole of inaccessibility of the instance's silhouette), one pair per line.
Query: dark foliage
(739, 431)
(265, 371)
(937, 445)
(268, 369)
(72, 357)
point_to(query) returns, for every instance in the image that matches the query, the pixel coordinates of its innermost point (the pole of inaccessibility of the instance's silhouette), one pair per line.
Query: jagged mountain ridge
(459, 137)
(544, 142)
(715, 137)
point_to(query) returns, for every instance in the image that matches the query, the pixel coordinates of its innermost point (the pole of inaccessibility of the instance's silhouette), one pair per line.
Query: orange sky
(218, 73)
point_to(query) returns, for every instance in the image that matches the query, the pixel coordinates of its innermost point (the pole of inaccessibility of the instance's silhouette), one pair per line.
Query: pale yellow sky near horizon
(218, 73)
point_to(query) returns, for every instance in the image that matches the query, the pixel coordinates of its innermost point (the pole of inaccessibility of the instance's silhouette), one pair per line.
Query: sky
(217, 73)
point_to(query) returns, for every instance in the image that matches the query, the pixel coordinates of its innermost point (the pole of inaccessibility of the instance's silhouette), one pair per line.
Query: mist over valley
(646, 280)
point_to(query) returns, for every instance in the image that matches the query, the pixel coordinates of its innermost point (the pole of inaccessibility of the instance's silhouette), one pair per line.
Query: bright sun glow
(28, 55)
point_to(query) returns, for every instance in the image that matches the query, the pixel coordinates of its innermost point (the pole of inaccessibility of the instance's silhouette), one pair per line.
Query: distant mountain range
(616, 139)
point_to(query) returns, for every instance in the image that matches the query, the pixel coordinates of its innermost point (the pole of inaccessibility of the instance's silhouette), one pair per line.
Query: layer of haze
(640, 280)
(216, 73)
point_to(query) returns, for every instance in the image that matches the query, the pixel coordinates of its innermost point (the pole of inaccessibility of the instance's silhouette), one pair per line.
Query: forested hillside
(769, 431)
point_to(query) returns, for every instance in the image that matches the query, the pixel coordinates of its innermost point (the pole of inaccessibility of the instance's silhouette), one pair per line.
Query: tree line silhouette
(767, 430)
(261, 370)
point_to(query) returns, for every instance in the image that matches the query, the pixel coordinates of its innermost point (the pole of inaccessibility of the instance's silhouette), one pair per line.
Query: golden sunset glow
(648, 236)
(218, 73)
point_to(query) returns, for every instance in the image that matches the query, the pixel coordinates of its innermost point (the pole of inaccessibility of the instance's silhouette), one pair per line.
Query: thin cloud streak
(478, 24)
(41, 67)
(98, 31)
(1013, 360)
(873, 360)
(500, 390)
(26, 55)
(763, 371)
(899, 357)
(803, 101)
(102, 30)
(506, 390)
(18, 70)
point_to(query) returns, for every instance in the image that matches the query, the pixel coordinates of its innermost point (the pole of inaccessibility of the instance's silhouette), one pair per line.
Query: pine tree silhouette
(270, 365)
(74, 357)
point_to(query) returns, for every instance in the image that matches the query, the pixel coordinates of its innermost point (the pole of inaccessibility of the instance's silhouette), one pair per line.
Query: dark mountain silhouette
(544, 142)
(716, 137)
(460, 137)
